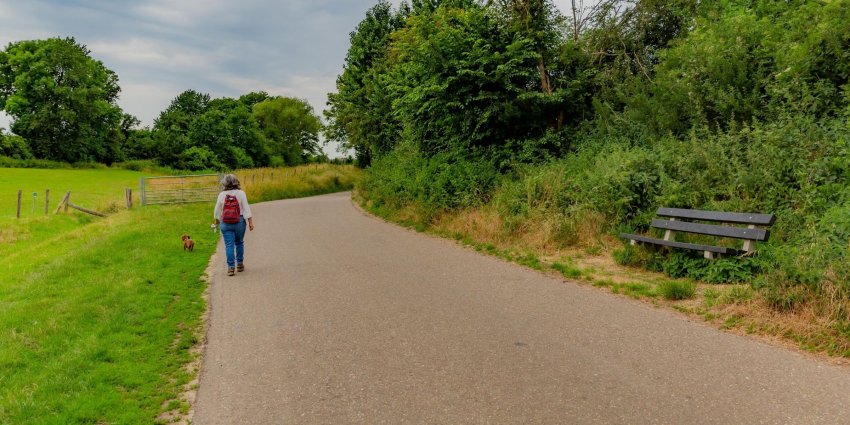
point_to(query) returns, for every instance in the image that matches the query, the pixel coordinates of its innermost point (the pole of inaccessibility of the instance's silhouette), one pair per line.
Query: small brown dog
(188, 243)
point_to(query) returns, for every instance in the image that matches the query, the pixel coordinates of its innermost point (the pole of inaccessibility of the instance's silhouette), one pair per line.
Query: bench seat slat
(719, 216)
(712, 229)
(684, 245)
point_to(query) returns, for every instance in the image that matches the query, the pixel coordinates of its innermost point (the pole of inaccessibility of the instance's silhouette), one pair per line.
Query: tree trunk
(544, 76)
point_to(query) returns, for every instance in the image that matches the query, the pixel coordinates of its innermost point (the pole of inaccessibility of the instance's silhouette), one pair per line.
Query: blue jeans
(234, 237)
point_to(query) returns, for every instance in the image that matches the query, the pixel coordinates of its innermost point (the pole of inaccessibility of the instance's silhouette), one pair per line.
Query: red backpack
(230, 213)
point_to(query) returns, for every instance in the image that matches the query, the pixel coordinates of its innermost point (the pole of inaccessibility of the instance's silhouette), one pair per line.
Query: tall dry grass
(268, 184)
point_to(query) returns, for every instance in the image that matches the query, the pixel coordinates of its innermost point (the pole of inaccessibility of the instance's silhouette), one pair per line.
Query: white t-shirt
(244, 208)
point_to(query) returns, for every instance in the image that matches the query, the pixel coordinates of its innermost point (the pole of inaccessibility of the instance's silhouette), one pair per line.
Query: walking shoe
(240, 267)
(230, 272)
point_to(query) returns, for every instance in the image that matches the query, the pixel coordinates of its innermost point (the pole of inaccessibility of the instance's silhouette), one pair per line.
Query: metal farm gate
(179, 189)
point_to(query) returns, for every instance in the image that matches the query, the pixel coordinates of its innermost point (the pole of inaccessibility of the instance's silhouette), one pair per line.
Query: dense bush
(199, 158)
(14, 147)
(437, 183)
(7, 162)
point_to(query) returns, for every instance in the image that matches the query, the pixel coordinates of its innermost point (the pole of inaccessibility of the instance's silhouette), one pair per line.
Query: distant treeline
(63, 108)
(591, 118)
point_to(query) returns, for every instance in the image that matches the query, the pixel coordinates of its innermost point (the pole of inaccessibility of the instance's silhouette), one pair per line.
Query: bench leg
(709, 255)
(633, 242)
(750, 246)
(668, 234)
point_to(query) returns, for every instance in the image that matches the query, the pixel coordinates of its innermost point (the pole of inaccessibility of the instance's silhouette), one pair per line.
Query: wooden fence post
(128, 197)
(63, 201)
(18, 214)
(141, 191)
(46, 200)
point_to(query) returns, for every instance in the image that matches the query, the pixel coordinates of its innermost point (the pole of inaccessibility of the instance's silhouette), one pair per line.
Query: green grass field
(89, 188)
(98, 315)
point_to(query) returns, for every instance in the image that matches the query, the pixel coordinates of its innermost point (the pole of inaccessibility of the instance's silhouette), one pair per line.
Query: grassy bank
(99, 317)
(100, 314)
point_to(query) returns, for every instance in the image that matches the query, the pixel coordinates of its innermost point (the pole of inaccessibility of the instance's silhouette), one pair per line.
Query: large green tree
(463, 83)
(171, 128)
(228, 129)
(490, 78)
(61, 100)
(291, 128)
(196, 132)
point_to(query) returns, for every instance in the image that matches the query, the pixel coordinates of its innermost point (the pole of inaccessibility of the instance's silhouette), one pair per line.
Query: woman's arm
(244, 207)
(217, 210)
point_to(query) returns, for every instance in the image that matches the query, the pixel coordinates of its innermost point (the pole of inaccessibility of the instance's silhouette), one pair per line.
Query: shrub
(135, 165)
(14, 147)
(447, 182)
(240, 159)
(620, 182)
(7, 162)
(45, 163)
(391, 180)
(676, 290)
(443, 182)
(199, 158)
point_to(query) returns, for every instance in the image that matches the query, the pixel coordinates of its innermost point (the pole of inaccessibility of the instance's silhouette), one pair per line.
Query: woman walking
(231, 213)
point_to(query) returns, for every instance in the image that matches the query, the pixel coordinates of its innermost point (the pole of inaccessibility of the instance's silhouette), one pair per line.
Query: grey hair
(230, 182)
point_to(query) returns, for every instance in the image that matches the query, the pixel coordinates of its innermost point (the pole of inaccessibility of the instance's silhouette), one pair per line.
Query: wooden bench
(684, 220)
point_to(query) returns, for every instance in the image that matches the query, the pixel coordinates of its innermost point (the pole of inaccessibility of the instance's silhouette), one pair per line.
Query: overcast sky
(160, 48)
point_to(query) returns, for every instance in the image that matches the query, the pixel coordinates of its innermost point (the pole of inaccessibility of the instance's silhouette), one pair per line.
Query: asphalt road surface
(341, 318)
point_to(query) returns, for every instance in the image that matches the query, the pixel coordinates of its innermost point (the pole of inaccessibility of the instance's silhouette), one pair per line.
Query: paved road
(343, 319)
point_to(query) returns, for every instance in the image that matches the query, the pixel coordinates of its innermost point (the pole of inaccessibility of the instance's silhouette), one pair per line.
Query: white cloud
(134, 50)
(163, 14)
(149, 53)
(145, 101)
(5, 120)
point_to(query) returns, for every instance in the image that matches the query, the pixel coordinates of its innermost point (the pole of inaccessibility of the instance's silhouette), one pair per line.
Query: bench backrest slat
(712, 229)
(718, 216)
